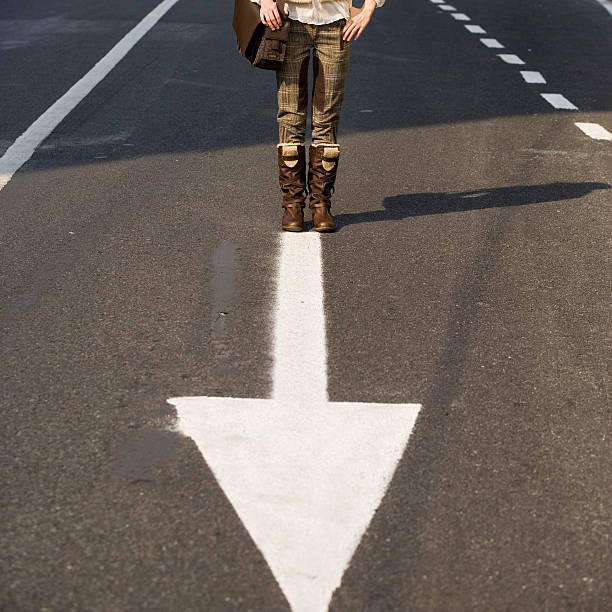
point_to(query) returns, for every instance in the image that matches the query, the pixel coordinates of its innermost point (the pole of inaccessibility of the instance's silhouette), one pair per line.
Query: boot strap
(290, 161)
(330, 157)
(290, 154)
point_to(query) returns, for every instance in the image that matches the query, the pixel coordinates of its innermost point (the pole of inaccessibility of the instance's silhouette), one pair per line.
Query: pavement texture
(470, 273)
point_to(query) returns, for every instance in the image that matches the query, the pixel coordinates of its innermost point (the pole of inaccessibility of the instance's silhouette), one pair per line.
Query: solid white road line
(300, 359)
(510, 59)
(607, 4)
(23, 148)
(305, 475)
(460, 16)
(492, 43)
(595, 131)
(559, 101)
(531, 76)
(475, 29)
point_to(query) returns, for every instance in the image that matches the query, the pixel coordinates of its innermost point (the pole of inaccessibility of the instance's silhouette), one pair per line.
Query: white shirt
(320, 13)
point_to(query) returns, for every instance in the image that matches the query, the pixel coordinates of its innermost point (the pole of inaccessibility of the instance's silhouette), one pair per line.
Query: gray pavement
(470, 273)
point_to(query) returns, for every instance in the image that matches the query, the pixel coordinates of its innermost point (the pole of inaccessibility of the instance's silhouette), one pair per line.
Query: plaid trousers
(330, 64)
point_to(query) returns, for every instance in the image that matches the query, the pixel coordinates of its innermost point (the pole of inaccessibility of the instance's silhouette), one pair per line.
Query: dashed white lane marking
(447, 7)
(531, 76)
(475, 29)
(510, 58)
(438, 1)
(559, 101)
(23, 148)
(492, 43)
(595, 131)
(304, 474)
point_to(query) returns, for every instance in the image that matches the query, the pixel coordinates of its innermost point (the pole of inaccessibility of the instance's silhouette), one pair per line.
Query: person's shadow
(417, 204)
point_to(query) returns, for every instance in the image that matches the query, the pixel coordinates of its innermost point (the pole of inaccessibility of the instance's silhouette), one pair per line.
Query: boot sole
(293, 229)
(326, 230)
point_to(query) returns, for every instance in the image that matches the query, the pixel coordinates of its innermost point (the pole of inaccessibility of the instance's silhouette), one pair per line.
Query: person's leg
(331, 61)
(292, 86)
(330, 66)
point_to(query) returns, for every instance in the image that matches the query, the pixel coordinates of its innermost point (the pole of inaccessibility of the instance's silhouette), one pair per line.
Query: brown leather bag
(263, 47)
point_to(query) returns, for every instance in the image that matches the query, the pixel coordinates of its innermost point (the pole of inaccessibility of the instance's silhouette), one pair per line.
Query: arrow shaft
(300, 355)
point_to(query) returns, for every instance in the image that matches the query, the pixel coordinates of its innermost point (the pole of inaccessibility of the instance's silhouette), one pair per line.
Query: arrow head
(305, 482)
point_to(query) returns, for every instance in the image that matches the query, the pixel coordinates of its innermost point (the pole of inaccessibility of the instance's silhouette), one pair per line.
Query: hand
(360, 17)
(269, 14)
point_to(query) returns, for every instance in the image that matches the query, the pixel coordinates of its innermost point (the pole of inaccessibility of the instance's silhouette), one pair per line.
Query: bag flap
(282, 34)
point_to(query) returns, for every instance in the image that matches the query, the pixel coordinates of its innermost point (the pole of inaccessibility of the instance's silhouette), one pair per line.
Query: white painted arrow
(304, 474)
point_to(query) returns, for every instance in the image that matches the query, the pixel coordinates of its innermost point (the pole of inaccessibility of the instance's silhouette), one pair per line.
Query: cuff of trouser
(331, 153)
(290, 153)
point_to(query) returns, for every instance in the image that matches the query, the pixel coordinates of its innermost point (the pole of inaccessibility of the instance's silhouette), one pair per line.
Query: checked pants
(330, 55)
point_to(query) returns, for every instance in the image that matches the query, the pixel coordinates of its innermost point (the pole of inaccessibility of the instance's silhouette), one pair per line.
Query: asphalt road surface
(470, 274)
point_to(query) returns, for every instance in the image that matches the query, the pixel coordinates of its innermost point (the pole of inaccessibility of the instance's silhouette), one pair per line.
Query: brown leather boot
(292, 179)
(321, 180)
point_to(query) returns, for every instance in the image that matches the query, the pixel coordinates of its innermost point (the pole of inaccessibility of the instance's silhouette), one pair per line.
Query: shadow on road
(418, 204)
(184, 88)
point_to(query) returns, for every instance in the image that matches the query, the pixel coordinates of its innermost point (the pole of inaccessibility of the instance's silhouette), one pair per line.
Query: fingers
(271, 17)
(355, 27)
(277, 22)
(360, 30)
(351, 29)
